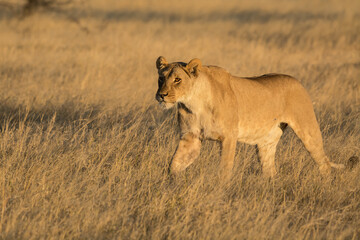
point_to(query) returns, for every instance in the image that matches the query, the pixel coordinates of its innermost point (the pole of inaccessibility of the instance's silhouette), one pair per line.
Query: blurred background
(96, 47)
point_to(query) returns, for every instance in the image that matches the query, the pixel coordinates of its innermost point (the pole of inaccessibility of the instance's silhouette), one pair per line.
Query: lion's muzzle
(160, 96)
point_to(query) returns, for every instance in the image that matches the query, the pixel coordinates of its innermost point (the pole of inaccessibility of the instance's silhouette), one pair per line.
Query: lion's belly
(251, 136)
(248, 128)
(254, 133)
(246, 135)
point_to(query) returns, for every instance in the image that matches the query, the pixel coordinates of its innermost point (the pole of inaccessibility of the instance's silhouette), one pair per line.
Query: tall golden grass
(84, 148)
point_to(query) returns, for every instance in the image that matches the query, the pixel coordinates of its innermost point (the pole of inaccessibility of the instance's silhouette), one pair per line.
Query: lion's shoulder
(216, 73)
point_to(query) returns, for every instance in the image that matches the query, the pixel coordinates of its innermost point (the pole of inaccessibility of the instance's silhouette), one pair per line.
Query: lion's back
(277, 84)
(275, 80)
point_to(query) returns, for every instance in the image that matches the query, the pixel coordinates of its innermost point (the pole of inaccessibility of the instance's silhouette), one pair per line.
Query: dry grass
(84, 148)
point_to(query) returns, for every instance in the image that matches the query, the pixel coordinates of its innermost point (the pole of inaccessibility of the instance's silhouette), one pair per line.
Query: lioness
(213, 104)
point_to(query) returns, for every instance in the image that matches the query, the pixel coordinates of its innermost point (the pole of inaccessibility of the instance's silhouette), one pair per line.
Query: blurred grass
(85, 149)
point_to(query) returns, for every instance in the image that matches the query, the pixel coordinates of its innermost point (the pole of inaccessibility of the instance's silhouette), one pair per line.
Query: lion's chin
(166, 105)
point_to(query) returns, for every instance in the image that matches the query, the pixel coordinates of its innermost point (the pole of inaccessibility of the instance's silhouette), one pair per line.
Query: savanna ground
(84, 147)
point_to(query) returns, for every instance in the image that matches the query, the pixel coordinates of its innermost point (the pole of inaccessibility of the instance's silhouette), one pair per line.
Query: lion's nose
(162, 95)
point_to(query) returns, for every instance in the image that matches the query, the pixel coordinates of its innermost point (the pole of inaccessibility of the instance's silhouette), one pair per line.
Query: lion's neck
(199, 96)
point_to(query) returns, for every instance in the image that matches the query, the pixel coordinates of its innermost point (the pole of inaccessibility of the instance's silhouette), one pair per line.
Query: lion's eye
(177, 80)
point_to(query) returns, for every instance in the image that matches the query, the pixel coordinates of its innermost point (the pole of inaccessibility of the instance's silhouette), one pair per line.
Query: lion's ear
(193, 66)
(161, 63)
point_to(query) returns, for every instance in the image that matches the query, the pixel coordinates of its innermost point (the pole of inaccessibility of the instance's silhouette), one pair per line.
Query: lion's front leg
(186, 153)
(228, 147)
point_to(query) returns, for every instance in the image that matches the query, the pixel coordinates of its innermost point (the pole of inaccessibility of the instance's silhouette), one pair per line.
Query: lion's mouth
(163, 99)
(166, 105)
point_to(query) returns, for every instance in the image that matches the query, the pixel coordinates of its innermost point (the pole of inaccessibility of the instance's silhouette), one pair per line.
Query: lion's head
(175, 80)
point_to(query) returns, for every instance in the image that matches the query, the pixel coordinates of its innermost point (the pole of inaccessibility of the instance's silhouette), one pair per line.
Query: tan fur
(213, 104)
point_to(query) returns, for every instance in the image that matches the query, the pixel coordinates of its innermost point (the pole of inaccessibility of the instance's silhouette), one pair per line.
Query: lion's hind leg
(307, 129)
(266, 152)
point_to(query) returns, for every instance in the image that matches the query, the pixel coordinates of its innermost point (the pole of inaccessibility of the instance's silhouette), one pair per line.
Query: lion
(213, 104)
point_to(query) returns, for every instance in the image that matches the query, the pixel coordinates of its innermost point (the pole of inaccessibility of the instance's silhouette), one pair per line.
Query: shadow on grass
(73, 113)
(66, 113)
(239, 16)
(242, 16)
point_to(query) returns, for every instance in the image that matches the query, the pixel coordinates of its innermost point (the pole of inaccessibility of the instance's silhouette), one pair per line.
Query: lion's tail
(337, 165)
(351, 163)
